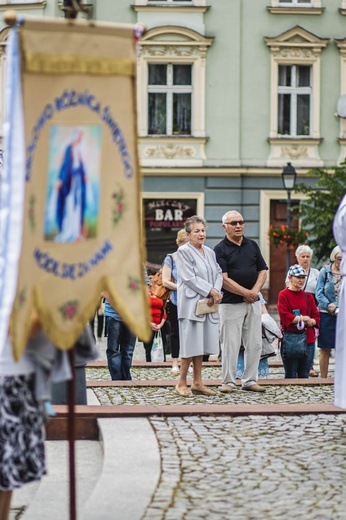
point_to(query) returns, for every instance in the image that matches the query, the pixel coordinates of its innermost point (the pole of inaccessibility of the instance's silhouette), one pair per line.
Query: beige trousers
(240, 324)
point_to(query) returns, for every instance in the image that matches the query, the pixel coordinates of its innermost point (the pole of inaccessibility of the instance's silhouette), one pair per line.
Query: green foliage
(318, 211)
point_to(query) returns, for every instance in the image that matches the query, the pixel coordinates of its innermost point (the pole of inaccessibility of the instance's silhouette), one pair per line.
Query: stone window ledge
(297, 10)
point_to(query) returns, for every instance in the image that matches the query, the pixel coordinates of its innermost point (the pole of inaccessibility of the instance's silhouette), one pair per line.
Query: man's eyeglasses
(236, 223)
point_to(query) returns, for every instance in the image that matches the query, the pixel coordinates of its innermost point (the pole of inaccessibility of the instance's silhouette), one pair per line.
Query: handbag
(157, 354)
(202, 307)
(157, 287)
(295, 345)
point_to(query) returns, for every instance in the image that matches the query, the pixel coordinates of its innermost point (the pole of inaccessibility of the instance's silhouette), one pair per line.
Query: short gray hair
(303, 249)
(225, 216)
(336, 251)
(194, 220)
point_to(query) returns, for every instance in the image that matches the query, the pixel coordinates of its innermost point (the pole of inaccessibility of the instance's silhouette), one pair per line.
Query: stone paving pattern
(250, 468)
(285, 394)
(152, 374)
(243, 468)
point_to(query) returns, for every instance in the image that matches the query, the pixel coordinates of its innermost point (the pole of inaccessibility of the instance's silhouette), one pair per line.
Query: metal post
(288, 220)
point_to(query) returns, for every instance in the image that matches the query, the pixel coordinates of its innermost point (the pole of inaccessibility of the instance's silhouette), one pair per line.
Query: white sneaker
(190, 369)
(175, 370)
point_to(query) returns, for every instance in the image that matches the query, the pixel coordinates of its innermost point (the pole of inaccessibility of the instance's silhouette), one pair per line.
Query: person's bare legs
(197, 386)
(324, 361)
(5, 503)
(197, 371)
(184, 366)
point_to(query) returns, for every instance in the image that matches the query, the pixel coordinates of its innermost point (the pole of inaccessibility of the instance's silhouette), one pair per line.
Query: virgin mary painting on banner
(72, 203)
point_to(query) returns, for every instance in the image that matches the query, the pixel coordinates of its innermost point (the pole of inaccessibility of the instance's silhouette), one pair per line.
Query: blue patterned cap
(296, 270)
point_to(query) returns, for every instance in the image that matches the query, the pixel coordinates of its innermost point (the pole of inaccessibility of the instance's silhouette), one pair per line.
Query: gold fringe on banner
(45, 63)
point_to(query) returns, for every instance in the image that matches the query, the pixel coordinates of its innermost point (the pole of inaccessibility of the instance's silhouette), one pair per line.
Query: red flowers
(285, 236)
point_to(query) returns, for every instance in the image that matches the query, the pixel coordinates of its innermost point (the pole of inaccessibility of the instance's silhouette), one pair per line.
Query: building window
(294, 100)
(310, 7)
(169, 1)
(303, 3)
(169, 99)
(199, 5)
(171, 93)
(295, 97)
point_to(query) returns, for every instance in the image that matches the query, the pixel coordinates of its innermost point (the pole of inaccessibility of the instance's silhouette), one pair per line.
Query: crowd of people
(234, 323)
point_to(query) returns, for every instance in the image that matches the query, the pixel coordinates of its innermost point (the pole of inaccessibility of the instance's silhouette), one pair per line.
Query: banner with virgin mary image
(81, 231)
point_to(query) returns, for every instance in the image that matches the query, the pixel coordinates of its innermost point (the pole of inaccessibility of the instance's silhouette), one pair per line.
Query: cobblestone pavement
(157, 373)
(241, 468)
(250, 468)
(297, 394)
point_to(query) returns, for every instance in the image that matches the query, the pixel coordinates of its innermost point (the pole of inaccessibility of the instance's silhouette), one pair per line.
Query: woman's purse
(295, 345)
(202, 307)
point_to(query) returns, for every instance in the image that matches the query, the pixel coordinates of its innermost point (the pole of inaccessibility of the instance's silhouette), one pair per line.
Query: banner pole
(71, 392)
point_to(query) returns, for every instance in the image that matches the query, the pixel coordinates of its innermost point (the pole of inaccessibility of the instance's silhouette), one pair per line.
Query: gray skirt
(22, 457)
(198, 338)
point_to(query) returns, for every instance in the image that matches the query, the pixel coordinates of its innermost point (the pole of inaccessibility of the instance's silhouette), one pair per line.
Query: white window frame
(169, 89)
(294, 91)
(296, 47)
(314, 7)
(341, 44)
(174, 2)
(295, 5)
(173, 45)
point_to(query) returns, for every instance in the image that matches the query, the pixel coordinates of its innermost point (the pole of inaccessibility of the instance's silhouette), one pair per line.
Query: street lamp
(289, 176)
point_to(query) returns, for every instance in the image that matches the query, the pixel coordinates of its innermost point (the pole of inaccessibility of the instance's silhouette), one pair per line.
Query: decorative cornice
(295, 52)
(216, 172)
(341, 44)
(296, 10)
(23, 6)
(171, 147)
(152, 36)
(297, 37)
(179, 50)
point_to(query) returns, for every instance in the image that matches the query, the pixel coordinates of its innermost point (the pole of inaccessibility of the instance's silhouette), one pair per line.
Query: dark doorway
(278, 217)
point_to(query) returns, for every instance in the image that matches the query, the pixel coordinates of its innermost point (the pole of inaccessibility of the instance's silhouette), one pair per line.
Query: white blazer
(197, 275)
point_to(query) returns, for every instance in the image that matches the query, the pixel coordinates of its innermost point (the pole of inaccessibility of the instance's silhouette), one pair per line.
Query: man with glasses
(244, 272)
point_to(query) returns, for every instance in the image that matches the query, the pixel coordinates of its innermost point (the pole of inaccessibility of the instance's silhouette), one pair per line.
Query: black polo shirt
(241, 263)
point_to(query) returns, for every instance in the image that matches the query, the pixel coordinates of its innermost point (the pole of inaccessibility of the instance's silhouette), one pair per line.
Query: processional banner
(81, 231)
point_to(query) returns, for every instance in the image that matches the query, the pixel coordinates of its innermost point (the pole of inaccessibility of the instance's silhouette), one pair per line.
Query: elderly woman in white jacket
(199, 276)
